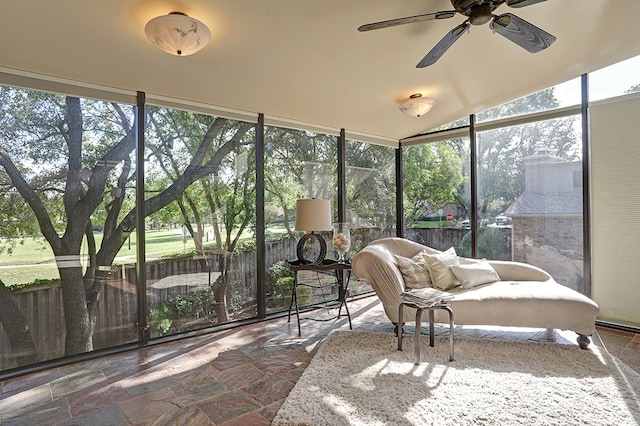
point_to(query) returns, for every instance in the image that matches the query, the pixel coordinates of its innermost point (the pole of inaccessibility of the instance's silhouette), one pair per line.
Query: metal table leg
(416, 349)
(418, 333)
(294, 301)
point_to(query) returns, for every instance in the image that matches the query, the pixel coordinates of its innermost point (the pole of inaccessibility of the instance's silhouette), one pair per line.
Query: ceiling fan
(478, 12)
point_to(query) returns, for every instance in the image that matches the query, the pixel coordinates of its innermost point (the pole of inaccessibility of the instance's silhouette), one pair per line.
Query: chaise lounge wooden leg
(583, 341)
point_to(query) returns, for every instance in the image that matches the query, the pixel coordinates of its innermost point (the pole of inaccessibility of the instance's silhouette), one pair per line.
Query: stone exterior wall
(563, 233)
(553, 244)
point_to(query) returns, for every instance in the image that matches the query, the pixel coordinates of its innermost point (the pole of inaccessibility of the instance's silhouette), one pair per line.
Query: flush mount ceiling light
(417, 105)
(177, 33)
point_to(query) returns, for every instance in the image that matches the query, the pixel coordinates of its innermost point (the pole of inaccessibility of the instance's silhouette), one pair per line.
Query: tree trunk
(76, 316)
(220, 289)
(23, 348)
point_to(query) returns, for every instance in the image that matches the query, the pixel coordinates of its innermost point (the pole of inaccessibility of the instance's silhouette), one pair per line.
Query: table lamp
(312, 214)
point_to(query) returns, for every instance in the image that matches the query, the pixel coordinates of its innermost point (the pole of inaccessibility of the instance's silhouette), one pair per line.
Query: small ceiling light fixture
(417, 105)
(177, 33)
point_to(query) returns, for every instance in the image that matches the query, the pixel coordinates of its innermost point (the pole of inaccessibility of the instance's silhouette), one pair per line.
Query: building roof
(547, 203)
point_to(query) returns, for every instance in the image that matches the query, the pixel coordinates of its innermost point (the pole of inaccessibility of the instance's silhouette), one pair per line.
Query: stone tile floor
(239, 376)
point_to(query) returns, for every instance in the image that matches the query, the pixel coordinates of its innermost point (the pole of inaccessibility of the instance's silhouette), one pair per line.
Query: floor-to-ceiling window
(67, 197)
(528, 185)
(436, 192)
(370, 196)
(530, 197)
(298, 165)
(200, 220)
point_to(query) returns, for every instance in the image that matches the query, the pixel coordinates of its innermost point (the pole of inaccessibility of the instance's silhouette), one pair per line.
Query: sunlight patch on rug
(360, 378)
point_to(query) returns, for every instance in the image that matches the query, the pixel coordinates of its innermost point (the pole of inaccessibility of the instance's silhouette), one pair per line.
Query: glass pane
(616, 80)
(67, 276)
(298, 164)
(464, 121)
(530, 197)
(565, 94)
(200, 207)
(436, 193)
(371, 197)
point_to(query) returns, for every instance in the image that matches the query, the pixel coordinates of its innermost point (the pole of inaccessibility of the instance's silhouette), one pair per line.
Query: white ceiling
(304, 60)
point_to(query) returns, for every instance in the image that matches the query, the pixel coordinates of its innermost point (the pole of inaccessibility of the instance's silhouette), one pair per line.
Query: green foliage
(501, 151)
(278, 270)
(276, 236)
(539, 101)
(195, 305)
(246, 246)
(304, 293)
(169, 316)
(161, 317)
(491, 243)
(432, 177)
(178, 254)
(36, 282)
(282, 287)
(371, 184)
(235, 302)
(633, 89)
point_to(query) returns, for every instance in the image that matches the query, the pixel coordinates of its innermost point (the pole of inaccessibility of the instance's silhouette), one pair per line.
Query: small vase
(341, 240)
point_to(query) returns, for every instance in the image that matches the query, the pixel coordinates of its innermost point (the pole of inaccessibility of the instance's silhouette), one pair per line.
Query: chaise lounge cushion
(524, 295)
(415, 271)
(473, 274)
(440, 265)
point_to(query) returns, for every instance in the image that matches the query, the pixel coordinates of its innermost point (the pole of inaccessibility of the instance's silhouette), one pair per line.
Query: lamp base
(300, 249)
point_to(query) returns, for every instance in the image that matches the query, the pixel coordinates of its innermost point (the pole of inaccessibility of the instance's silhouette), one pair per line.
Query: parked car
(501, 219)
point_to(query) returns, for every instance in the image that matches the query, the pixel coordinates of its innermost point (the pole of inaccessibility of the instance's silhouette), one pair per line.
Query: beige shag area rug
(360, 378)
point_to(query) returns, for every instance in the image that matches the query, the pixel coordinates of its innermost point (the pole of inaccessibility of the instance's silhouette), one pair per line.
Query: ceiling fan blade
(522, 33)
(408, 20)
(443, 45)
(522, 3)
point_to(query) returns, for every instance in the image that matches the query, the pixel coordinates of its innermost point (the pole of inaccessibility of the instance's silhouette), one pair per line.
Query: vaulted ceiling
(305, 61)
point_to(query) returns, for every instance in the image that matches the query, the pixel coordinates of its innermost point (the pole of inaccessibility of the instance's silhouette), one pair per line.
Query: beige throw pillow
(474, 274)
(439, 268)
(414, 271)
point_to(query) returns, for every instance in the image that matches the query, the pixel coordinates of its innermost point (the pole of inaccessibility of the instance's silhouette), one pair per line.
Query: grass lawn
(33, 259)
(432, 224)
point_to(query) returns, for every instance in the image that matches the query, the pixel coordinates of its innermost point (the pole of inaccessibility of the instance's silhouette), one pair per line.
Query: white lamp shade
(177, 34)
(313, 214)
(417, 105)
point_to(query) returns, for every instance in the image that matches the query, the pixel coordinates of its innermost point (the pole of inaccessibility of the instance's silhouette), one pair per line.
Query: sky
(604, 83)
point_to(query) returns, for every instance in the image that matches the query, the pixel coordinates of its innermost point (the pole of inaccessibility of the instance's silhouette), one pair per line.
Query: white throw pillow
(414, 271)
(474, 274)
(439, 267)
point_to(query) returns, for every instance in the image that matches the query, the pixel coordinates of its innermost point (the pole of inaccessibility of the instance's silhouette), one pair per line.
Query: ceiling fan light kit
(177, 33)
(417, 106)
(478, 12)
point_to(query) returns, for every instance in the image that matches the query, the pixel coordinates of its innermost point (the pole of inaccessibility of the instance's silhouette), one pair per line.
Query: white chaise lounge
(523, 295)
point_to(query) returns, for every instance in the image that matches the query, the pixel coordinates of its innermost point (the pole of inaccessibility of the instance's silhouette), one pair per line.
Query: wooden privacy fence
(44, 312)
(117, 307)
(116, 315)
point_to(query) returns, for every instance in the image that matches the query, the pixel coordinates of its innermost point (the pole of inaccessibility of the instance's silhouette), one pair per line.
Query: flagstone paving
(235, 377)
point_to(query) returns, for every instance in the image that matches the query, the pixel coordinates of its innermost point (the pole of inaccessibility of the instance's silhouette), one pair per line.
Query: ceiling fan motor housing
(480, 15)
(479, 11)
